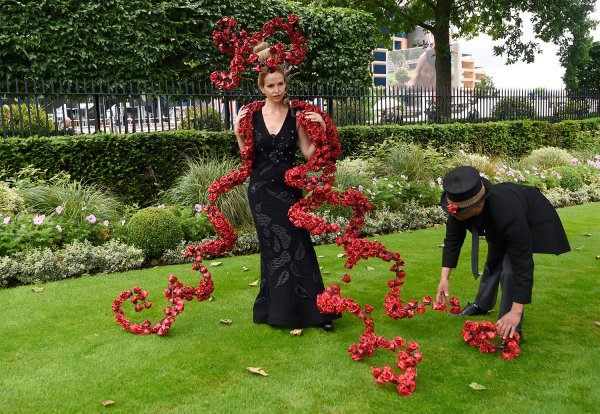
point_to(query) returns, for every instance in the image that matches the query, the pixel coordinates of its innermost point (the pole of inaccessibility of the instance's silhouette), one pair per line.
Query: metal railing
(63, 108)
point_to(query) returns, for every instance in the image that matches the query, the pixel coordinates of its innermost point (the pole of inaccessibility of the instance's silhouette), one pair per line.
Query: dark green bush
(570, 178)
(507, 109)
(154, 230)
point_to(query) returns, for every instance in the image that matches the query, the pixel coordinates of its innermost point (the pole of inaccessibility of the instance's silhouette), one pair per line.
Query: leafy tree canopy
(562, 22)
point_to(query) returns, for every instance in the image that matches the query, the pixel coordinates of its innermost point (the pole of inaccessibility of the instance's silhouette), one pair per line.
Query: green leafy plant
(202, 117)
(513, 108)
(25, 120)
(154, 230)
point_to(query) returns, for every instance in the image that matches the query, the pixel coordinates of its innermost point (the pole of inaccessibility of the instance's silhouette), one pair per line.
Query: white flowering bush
(75, 259)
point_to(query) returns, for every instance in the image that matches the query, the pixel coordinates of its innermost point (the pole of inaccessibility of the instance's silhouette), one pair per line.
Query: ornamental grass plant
(191, 188)
(62, 352)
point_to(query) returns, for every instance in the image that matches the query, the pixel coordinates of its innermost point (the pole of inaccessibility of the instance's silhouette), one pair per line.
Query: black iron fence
(61, 108)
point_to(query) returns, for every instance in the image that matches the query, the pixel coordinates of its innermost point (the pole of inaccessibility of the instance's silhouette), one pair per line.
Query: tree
(588, 70)
(485, 87)
(557, 21)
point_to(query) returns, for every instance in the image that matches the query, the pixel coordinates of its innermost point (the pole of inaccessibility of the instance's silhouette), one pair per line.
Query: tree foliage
(155, 40)
(587, 72)
(558, 21)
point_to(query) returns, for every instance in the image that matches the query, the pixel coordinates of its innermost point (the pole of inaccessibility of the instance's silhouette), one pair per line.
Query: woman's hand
(315, 117)
(241, 115)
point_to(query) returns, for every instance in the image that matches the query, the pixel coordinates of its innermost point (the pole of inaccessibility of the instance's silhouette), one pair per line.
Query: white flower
(198, 207)
(122, 222)
(106, 223)
(6, 220)
(59, 209)
(39, 219)
(83, 208)
(360, 188)
(390, 186)
(161, 206)
(432, 184)
(91, 219)
(59, 228)
(404, 177)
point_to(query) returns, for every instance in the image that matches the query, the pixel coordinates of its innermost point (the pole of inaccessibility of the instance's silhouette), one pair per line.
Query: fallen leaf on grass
(298, 332)
(440, 245)
(477, 386)
(255, 283)
(340, 255)
(226, 321)
(597, 323)
(598, 257)
(107, 403)
(587, 234)
(257, 370)
(579, 248)
(326, 272)
(216, 263)
(210, 299)
(320, 256)
(370, 268)
(37, 289)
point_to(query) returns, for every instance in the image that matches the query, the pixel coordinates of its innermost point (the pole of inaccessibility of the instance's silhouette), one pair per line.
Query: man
(517, 221)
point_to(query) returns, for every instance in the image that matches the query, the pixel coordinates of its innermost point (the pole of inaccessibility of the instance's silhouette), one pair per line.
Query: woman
(424, 76)
(290, 276)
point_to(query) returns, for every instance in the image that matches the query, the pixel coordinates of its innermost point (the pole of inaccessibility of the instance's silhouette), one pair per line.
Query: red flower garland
(240, 45)
(480, 334)
(319, 184)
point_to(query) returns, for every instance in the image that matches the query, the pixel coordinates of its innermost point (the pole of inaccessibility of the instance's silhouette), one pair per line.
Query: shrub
(192, 188)
(573, 109)
(76, 259)
(548, 157)
(482, 163)
(25, 120)
(195, 225)
(154, 230)
(204, 118)
(10, 200)
(513, 108)
(570, 178)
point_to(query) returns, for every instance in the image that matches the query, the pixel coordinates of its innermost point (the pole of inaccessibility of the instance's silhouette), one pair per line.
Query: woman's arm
(240, 116)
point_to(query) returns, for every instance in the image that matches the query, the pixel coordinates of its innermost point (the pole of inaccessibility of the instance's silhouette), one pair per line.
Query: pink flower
(91, 219)
(6, 220)
(39, 219)
(59, 209)
(198, 207)
(106, 223)
(59, 228)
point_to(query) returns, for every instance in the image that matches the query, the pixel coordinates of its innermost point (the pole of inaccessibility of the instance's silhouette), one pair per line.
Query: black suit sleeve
(455, 237)
(517, 238)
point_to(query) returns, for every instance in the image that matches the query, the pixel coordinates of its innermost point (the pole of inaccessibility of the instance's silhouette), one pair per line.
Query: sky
(545, 71)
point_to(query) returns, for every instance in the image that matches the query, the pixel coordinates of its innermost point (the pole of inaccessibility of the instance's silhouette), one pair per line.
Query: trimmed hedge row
(140, 166)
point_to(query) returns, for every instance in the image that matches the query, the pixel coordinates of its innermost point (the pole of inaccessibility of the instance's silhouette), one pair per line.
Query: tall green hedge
(146, 40)
(140, 166)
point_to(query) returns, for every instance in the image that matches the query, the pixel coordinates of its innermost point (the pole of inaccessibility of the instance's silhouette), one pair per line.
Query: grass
(61, 351)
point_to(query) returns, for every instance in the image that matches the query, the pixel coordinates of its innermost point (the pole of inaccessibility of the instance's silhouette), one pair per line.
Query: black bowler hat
(464, 189)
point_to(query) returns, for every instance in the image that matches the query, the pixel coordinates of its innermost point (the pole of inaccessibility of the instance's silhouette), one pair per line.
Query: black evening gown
(290, 278)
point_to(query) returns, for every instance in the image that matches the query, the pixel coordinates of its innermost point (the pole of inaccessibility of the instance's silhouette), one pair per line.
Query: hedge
(140, 166)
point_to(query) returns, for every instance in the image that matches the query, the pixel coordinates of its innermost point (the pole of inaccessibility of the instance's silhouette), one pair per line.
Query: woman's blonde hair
(263, 52)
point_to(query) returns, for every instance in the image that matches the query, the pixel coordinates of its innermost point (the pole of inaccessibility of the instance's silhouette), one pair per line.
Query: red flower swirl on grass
(480, 334)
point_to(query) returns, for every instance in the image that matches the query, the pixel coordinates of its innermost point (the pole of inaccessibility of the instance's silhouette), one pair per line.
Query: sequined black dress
(290, 277)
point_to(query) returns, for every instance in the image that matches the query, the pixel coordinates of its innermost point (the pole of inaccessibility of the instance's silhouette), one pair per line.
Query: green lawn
(62, 352)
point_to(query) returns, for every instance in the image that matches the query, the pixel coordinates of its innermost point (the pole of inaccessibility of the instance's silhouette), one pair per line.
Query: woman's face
(274, 87)
(427, 74)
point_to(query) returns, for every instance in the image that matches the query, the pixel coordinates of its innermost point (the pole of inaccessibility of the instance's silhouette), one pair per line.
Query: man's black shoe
(472, 309)
(327, 326)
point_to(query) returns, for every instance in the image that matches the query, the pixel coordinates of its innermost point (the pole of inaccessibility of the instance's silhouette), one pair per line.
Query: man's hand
(507, 324)
(442, 294)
